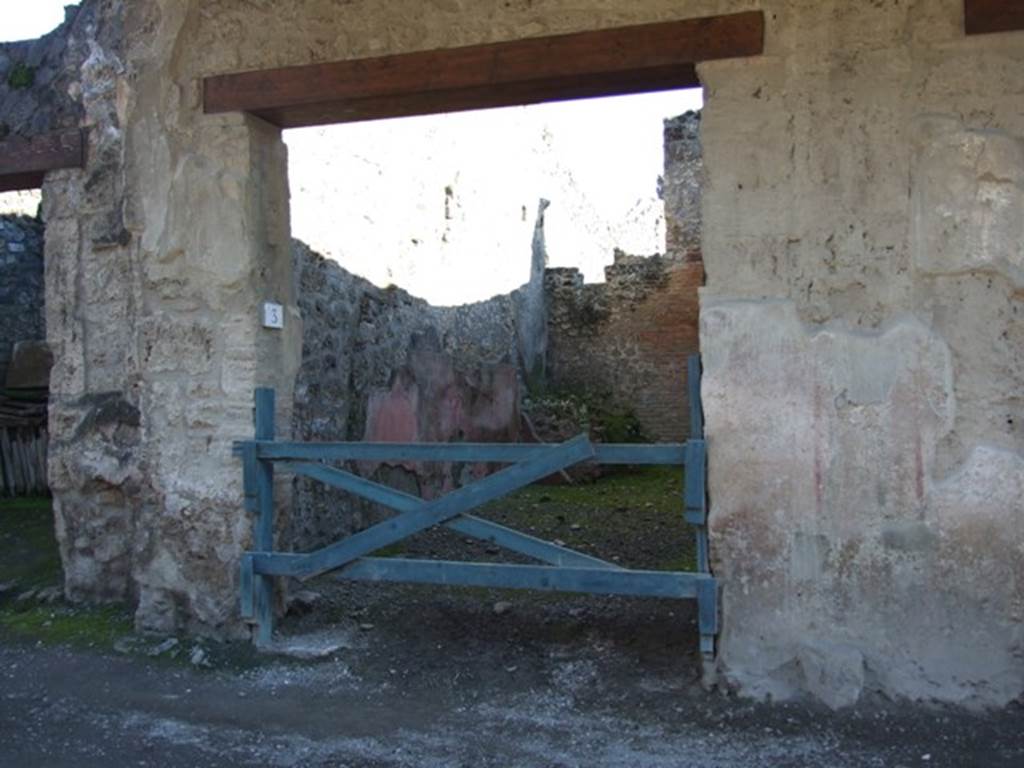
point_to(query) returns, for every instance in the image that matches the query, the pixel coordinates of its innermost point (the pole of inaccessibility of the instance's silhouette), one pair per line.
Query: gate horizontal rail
(490, 453)
(563, 569)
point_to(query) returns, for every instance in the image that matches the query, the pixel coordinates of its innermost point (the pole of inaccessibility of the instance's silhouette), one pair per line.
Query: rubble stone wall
(379, 364)
(628, 338)
(21, 285)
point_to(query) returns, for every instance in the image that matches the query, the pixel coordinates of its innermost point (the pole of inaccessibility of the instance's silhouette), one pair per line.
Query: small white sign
(273, 315)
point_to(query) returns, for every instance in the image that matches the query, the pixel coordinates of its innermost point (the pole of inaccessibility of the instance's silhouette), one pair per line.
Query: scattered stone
(312, 647)
(558, 543)
(7, 586)
(27, 596)
(199, 657)
(126, 644)
(50, 595)
(366, 626)
(502, 607)
(303, 601)
(167, 645)
(575, 527)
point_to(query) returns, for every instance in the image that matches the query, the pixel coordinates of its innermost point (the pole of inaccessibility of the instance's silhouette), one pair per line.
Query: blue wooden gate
(562, 569)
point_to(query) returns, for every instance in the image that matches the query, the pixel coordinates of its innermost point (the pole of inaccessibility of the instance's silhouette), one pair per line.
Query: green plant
(21, 76)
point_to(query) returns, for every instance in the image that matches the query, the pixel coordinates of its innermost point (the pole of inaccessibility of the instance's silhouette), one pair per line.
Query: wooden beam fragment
(982, 17)
(24, 162)
(608, 62)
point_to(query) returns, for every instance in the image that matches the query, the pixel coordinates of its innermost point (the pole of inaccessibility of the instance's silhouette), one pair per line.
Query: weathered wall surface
(862, 330)
(861, 238)
(379, 364)
(39, 82)
(628, 339)
(158, 254)
(21, 285)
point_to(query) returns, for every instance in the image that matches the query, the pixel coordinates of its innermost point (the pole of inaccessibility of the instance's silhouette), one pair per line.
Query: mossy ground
(30, 562)
(632, 516)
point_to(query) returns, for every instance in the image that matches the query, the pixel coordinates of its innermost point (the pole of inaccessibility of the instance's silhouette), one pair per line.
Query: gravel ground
(429, 677)
(425, 676)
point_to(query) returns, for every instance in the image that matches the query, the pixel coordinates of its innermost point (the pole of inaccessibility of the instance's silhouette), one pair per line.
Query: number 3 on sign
(273, 315)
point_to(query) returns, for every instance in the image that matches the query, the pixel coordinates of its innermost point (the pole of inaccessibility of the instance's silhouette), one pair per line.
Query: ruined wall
(39, 79)
(862, 330)
(627, 340)
(861, 325)
(158, 254)
(379, 364)
(21, 285)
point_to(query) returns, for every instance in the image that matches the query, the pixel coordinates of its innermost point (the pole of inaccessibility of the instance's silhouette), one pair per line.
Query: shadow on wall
(25, 358)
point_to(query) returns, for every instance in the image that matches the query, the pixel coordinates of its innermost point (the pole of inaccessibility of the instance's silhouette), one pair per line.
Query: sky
(25, 19)
(445, 205)
(611, 148)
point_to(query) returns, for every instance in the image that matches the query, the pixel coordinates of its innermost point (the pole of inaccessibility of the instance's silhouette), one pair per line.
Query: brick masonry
(629, 338)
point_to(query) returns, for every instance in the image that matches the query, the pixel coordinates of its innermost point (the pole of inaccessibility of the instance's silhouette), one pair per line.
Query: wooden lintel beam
(24, 162)
(597, 63)
(407, 105)
(982, 17)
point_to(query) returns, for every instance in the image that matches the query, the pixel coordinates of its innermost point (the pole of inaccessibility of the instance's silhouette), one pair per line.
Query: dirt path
(437, 678)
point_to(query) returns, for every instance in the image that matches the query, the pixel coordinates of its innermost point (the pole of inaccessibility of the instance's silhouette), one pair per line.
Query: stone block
(833, 673)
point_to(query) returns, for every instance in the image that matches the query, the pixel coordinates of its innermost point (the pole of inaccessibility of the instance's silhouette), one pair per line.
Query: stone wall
(158, 254)
(861, 322)
(628, 339)
(379, 364)
(39, 81)
(21, 285)
(862, 330)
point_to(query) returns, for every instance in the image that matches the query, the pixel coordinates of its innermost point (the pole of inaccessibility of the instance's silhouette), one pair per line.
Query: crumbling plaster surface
(862, 331)
(158, 255)
(815, 154)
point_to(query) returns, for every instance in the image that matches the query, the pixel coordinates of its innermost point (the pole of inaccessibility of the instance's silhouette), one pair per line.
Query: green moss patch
(92, 627)
(21, 76)
(29, 564)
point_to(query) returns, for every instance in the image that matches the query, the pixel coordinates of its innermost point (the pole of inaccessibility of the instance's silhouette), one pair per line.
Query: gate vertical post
(263, 535)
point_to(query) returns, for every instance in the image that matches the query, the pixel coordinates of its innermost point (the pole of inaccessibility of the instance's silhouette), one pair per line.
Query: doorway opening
(521, 275)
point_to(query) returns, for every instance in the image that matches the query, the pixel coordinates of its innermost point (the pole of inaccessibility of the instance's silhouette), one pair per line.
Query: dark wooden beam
(610, 62)
(406, 105)
(982, 17)
(24, 162)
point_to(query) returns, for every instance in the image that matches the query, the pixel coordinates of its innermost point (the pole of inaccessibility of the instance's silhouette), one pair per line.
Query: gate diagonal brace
(468, 525)
(512, 478)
